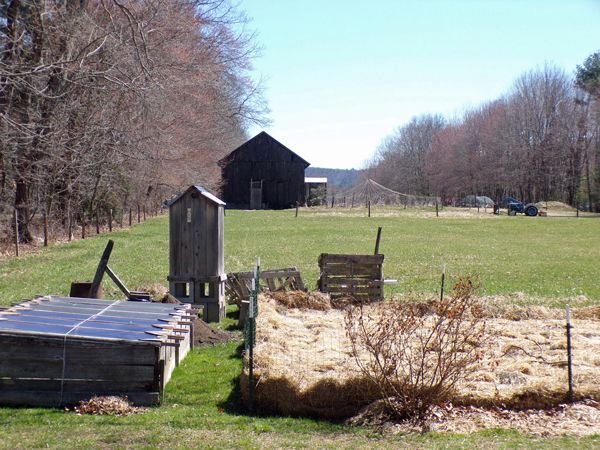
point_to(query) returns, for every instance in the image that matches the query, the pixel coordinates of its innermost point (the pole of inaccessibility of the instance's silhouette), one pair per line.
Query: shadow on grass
(233, 319)
(233, 403)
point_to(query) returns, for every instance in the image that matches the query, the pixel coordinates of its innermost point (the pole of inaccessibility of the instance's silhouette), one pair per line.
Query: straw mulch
(304, 364)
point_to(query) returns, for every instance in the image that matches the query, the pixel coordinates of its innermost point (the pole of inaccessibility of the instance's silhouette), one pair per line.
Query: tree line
(539, 141)
(108, 103)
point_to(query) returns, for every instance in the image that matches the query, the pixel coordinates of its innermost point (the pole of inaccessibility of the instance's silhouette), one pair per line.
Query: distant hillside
(335, 177)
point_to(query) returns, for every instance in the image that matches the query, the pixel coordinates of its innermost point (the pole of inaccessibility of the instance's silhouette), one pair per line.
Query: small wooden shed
(196, 260)
(263, 174)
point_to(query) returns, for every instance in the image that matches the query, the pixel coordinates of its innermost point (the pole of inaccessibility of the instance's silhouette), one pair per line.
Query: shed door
(255, 194)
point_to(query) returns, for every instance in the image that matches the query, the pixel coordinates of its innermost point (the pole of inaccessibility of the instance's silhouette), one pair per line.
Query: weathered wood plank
(47, 398)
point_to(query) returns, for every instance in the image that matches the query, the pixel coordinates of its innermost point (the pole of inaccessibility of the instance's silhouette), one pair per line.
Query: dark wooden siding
(263, 158)
(195, 247)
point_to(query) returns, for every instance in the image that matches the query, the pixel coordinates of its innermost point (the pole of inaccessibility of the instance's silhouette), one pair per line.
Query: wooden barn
(263, 174)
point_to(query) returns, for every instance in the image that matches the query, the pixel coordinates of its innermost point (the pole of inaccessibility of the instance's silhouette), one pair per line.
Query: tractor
(514, 206)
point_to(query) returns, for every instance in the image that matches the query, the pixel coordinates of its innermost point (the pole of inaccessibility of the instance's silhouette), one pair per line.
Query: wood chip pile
(304, 364)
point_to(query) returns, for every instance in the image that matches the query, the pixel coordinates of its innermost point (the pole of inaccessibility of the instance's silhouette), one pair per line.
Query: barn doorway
(256, 194)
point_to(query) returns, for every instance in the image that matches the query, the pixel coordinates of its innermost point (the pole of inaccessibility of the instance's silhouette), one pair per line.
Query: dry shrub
(416, 354)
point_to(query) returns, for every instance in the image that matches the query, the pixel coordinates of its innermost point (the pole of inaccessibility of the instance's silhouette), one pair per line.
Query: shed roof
(200, 190)
(248, 144)
(315, 179)
(91, 318)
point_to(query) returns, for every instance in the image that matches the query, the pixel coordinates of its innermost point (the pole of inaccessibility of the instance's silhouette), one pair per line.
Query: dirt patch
(204, 334)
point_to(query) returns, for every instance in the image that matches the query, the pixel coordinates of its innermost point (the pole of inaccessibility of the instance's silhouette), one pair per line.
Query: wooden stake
(144, 212)
(121, 219)
(139, 217)
(377, 241)
(82, 225)
(443, 283)
(296, 209)
(369, 206)
(110, 220)
(130, 215)
(97, 222)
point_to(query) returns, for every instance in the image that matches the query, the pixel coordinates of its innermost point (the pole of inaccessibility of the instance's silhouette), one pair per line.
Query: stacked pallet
(57, 351)
(356, 276)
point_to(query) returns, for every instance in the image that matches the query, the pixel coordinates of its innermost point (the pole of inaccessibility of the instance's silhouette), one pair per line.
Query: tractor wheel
(531, 211)
(512, 212)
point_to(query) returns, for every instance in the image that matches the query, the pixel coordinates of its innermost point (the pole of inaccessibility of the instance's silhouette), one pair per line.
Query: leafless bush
(416, 353)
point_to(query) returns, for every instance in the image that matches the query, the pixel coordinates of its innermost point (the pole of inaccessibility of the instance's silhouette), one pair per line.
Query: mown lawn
(547, 259)
(551, 261)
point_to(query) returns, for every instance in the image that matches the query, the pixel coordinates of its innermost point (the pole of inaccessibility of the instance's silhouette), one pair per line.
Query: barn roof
(201, 191)
(249, 143)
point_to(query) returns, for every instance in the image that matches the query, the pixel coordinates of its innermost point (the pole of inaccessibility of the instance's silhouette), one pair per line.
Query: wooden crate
(358, 276)
(57, 351)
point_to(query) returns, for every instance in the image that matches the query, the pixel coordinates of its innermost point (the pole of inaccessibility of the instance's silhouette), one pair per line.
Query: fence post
(569, 355)
(130, 216)
(97, 222)
(144, 212)
(296, 208)
(45, 229)
(70, 225)
(121, 219)
(377, 241)
(369, 206)
(16, 233)
(251, 332)
(139, 217)
(110, 219)
(443, 283)
(83, 225)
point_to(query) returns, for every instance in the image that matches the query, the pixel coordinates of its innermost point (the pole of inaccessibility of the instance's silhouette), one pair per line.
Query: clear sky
(342, 75)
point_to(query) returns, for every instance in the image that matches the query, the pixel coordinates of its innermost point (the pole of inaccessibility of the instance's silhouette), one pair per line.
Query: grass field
(549, 260)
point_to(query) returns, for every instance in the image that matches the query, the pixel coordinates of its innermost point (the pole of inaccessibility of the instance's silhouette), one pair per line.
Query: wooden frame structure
(58, 351)
(196, 251)
(357, 276)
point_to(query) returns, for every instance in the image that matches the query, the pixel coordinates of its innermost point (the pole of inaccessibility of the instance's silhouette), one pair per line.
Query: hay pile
(304, 364)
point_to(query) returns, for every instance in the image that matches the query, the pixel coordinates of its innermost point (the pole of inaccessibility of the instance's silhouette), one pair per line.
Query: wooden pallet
(239, 284)
(358, 276)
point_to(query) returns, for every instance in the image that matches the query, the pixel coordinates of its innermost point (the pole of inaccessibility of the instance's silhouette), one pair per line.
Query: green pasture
(548, 260)
(544, 260)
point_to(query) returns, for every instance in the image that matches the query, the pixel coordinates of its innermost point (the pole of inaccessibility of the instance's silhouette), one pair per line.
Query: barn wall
(263, 158)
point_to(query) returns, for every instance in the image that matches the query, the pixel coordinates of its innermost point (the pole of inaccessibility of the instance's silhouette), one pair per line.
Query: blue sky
(341, 75)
